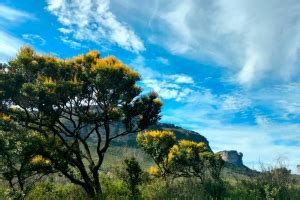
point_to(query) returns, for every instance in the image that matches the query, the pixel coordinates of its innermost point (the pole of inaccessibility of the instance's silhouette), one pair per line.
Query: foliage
(21, 165)
(156, 188)
(183, 159)
(273, 183)
(133, 175)
(216, 189)
(55, 191)
(186, 159)
(74, 100)
(157, 144)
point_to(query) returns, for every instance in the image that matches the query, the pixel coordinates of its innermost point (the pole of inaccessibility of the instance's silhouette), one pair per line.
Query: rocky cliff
(232, 157)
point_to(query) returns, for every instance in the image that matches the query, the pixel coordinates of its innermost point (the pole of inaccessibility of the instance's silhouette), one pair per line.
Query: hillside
(130, 140)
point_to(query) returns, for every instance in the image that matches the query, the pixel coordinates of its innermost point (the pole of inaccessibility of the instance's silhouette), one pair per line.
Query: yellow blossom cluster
(39, 160)
(154, 170)
(188, 149)
(4, 117)
(158, 134)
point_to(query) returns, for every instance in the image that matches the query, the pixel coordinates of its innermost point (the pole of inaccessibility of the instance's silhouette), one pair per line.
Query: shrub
(157, 145)
(55, 191)
(133, 175)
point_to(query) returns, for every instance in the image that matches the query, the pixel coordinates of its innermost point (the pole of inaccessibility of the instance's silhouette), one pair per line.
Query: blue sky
(227, 69)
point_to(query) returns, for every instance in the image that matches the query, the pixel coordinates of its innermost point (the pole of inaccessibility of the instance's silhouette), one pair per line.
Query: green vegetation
(69, 101)
(60, 123)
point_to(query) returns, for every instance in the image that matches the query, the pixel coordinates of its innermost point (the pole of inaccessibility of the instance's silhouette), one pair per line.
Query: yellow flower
(93, 54)
(157, 102)
(159, 134)
(154, 170)
(5, 118)
(49, 81)
(173, 152)
(39, 160)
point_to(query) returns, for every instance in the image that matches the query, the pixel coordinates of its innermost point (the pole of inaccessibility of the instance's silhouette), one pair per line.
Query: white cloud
(180, 78)
(235, 102)
(9, 46)
(13, 15)
(34, 39)
(9, 43)
(65, 30)
(168, 86)
(146, 72)
(162, 60)
(256, 39)
(167, 89)
(256, 142)
(71, 43)
(260, 38)
(93, 21)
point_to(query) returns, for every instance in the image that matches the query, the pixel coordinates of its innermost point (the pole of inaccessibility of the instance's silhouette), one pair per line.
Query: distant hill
(180, 133)
(127, 145)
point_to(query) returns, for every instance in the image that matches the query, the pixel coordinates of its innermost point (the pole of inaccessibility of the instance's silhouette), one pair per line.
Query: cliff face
(232, 157)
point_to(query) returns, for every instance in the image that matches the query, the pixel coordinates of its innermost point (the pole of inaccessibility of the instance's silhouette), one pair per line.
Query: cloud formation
(257, 40)
(169, 86)
(13, 15)
(34, 39)
(9, 46)
(92, 20)
(9, 43)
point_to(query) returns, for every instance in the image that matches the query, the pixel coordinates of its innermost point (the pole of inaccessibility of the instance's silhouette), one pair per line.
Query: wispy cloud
(93, 21)
(13, 15)
(257, 40)
(71, 43)
(169, 86)
(65, 30)
(9, 46)
(180, 78)
(34, 39)
(162, 60)
(9, 43)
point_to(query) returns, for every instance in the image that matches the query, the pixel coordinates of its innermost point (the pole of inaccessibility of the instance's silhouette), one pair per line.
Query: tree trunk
(97, 182)
(90, 191)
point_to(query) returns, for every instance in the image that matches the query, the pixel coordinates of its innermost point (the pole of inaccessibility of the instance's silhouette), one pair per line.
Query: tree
(132, 175)
(74, 101)
(157, 144)
(189, 158)
(179, 159)
(21, 162)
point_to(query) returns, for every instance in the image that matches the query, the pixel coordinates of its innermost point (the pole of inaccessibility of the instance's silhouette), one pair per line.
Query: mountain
(180, 133)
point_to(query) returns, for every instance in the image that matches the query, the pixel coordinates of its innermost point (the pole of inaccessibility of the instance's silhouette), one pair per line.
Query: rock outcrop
(232, 157)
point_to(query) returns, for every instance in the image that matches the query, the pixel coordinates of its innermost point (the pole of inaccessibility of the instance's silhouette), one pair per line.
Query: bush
(216, 189)
(114, 188)
(273, 183)
(133, 175)
(55, 191)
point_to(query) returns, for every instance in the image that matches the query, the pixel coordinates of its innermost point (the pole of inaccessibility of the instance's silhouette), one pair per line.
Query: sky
(228, 69)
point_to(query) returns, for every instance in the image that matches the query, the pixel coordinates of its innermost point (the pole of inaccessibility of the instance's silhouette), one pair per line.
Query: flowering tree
(180, 159)
(157, 144)
(76, 101)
